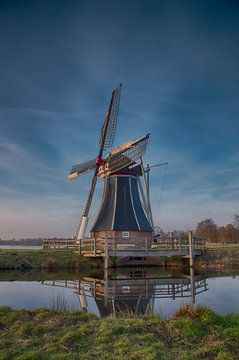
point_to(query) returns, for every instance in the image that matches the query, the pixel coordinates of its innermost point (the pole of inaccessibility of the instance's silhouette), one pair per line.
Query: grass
(50, 259)
(219, 258)
(193, 333)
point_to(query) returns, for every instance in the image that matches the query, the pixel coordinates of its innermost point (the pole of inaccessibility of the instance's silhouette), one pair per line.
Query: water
(136, 290)
(23, 247)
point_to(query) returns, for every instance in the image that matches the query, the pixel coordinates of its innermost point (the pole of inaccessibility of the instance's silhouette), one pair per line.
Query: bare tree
(236, 221)
(207, 229)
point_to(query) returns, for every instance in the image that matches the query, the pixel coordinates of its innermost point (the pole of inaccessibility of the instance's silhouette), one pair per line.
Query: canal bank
(17, 259)
(50, 259)
(193, 333)
(219, 258)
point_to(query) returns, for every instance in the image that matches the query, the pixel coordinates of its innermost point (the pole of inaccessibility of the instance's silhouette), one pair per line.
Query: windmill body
(121, 213)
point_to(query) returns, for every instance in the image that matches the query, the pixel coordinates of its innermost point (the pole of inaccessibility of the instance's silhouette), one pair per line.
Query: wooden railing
(60, 243)
(99, 246)
(158, 288)
(178, 243)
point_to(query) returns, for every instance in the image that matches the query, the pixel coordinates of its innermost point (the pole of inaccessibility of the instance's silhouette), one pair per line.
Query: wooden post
(106, 258)
(114, 246)
(191, 248)
(171, 239)
(80, 246)
(105, 287)
(146, 246)
(193, 290)
(173, 291)
(95, 250)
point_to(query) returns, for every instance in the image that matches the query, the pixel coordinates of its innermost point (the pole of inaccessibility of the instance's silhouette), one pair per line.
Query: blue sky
(178, 62)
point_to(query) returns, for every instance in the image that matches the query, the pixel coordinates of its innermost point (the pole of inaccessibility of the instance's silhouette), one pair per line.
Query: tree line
(208, 230)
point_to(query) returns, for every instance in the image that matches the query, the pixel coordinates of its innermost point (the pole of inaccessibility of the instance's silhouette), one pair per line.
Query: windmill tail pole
(85, 218)
(83, 226)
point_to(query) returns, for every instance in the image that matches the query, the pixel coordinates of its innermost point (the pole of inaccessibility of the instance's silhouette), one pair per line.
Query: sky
(178, 62)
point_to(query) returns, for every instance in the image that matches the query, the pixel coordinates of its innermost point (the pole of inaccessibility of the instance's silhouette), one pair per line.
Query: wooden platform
(141, 249)
(138, 250)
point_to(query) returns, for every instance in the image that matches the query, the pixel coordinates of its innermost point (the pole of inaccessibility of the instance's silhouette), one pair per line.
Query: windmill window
(125, 234)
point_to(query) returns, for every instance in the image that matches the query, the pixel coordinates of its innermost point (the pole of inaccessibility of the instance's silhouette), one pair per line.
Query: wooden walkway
(134, 249)
(140, 247)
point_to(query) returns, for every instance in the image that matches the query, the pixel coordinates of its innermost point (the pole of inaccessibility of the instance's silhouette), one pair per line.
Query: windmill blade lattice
(128, 156)
(81, 169)
(110, 124)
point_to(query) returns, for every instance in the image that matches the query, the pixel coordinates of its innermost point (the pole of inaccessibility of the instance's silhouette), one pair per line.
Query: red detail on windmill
(99, 160)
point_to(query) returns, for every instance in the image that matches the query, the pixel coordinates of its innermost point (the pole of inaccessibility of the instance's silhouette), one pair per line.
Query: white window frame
(125, 234)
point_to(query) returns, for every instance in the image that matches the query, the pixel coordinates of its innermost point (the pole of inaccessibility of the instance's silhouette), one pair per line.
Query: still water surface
(137, 290)
(22, 247)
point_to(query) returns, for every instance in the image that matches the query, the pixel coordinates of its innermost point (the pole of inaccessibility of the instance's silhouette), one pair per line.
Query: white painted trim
(132, 201)
(115, 201)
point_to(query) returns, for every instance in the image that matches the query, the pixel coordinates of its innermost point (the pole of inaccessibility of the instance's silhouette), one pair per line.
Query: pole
(191, 248)
(105, 287)
(146, 186)
(192, 280)
(106, 257)
(95, 249)
(148, 197)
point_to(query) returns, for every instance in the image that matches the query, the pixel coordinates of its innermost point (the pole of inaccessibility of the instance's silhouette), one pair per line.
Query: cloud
(59, 62)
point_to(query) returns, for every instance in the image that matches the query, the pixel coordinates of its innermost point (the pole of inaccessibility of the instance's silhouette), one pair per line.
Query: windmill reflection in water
(131, 290)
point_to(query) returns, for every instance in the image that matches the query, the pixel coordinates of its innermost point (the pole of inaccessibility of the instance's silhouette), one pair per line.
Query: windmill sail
(81, 169)
(129, 155)
(106, 140)
(110, 123)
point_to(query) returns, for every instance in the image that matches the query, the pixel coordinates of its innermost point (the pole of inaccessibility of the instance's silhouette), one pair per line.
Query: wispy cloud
(179, 67)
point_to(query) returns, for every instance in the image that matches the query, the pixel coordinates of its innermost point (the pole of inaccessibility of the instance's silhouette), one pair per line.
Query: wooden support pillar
(106, 257)
(191, 248)
(173, 291)
(146, 246)
(114, 242)
(193, 290)
(105, 287)
(95, 249)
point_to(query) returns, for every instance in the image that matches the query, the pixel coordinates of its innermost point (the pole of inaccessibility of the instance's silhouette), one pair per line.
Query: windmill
(121, 210)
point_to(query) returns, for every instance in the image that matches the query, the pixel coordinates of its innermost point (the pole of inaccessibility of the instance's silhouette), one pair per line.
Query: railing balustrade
(97, 245)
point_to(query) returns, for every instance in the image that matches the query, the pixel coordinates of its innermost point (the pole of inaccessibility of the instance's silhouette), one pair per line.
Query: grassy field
(193, 333)
(44, 259)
